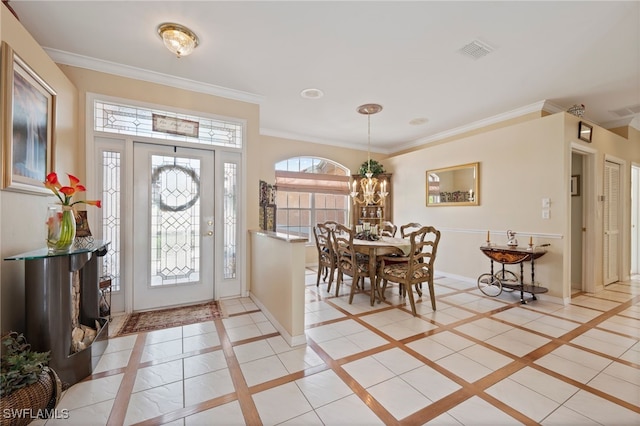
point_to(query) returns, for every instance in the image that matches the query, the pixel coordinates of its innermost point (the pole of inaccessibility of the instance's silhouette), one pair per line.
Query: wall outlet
(546, 213)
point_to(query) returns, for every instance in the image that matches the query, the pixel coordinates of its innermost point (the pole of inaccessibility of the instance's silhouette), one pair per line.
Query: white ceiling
(403, 55)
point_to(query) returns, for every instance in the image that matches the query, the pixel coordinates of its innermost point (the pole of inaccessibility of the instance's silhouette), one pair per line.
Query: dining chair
(330, 224)
(416, 268)
(388, 229)
(408, 228)
(326, 255)
(348, 261)
(405, 231)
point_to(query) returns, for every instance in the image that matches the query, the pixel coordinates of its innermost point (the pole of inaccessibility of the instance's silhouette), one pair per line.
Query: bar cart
(494, 282)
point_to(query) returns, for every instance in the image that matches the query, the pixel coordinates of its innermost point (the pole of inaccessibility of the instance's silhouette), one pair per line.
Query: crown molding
(633, 121)
(66, 58)
(304, 138)
(527, 109)
(552, 108)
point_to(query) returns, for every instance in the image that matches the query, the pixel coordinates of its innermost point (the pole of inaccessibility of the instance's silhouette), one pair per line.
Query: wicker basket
(24, 405)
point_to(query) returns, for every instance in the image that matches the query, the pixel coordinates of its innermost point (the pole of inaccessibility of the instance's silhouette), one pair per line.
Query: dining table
(383, 246)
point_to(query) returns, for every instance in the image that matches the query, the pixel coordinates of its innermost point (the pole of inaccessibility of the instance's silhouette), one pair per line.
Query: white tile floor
(476, 360)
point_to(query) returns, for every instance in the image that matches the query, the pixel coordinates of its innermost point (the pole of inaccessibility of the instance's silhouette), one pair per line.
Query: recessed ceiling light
(419, 121)
(312, 93)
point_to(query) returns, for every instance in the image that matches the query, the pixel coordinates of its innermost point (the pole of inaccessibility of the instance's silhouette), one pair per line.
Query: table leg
(533, 279)
(372, 276)
(522, 283)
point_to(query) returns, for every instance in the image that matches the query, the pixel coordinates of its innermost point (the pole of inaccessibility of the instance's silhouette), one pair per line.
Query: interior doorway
(635, 219)
(578, 227)
(584, 217)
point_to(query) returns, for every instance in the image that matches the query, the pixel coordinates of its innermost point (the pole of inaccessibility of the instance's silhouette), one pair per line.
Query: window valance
(312, 182)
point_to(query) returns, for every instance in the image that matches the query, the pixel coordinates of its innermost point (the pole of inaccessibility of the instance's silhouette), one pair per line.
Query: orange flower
(52, 182)
(65, 193)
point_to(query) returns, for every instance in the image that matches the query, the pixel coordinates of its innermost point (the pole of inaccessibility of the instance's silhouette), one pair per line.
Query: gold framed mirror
(453, 186)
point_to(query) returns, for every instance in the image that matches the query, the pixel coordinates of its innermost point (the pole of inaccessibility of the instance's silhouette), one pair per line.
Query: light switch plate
(546, 202)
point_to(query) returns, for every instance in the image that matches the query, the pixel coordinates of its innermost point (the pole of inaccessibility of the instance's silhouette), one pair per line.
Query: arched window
(310, 190)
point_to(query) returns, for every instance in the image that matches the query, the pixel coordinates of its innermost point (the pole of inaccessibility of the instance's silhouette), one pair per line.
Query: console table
(48, 308)
(492, 283)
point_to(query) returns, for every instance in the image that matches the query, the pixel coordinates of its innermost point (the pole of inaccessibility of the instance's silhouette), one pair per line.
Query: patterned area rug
(166, 318)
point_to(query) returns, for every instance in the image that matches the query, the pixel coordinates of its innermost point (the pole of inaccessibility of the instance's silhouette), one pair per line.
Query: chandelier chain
(373, 192)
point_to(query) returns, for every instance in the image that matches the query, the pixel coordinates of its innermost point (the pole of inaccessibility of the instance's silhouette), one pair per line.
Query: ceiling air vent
(627, 111)
(476, 49)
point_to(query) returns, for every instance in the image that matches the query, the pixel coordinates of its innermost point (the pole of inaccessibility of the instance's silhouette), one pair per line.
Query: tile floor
(476, 360)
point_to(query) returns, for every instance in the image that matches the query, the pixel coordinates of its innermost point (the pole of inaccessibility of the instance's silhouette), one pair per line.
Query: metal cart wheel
(489, 285)
(507, 277)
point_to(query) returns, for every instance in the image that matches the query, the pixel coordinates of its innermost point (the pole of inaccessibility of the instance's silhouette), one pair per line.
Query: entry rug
(166, 318)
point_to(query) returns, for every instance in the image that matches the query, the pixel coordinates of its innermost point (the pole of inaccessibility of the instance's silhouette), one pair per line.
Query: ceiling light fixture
(369, 184)
(179, 39)
(577, 110)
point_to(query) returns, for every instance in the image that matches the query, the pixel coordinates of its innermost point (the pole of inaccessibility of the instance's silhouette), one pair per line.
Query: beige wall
(277, 287)
(519, 166)
(22, 215)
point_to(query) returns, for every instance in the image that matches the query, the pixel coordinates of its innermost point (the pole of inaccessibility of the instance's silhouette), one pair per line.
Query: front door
(173, 226)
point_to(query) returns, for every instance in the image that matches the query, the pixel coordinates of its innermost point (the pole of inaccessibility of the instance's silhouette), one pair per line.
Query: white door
(611, 222)
(635, 219)
(173, 226)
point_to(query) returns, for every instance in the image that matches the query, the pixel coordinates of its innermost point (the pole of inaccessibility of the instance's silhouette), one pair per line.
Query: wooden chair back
(388, 229)
(326, 255)
(424, 247)
(408, 228)
(348, 261)
(331, 224)
(418, 266)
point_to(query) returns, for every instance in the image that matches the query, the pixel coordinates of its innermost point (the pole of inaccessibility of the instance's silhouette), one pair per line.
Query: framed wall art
(27, 125)
(585, 131)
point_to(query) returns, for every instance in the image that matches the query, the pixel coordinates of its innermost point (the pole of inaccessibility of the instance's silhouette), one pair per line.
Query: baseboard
(291, 340)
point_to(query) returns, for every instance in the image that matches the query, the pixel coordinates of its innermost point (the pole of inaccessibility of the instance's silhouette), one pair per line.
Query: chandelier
(179, 39)
(371, 193)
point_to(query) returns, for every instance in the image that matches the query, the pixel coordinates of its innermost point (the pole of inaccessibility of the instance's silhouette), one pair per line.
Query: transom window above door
(152, 123)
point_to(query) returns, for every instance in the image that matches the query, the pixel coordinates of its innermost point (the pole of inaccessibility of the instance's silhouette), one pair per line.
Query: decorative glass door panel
(173, 225)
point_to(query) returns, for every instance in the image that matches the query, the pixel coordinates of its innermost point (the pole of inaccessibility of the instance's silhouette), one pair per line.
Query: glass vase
(61, 228)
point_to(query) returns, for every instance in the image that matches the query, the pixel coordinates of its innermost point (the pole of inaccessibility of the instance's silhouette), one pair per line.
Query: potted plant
(28, 387)
(376, 168)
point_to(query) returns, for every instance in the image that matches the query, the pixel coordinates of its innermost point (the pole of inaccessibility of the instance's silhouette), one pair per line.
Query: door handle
(210, 233)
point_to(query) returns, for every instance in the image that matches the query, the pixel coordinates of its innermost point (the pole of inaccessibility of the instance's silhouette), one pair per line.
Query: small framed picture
(575, 185)
(585, 131)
